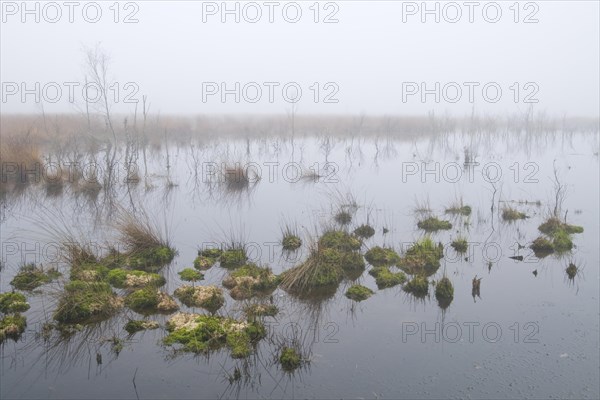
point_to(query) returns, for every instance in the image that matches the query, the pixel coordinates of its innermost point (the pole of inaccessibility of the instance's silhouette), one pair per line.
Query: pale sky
(375, 59)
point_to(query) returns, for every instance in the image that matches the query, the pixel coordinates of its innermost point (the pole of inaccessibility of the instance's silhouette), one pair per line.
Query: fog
(373, 60)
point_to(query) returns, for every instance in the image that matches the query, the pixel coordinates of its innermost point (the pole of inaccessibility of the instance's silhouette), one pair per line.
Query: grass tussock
(249, 281)
(444, 292)
(13, 302)
(150, 300)
(433, 224)
(554, 225)
(422, 258)
(384, 278)
(418, 286)
(31, 277)
(382, 256)
(359, 293)
(190, 275)
(511, 214)
(289, 359)
(572, 270)
(208, 297)
(83, 302)
(12, 327)
(202, 334)
(255, 310)
(460, 244)
(364, 231)
(459, 209)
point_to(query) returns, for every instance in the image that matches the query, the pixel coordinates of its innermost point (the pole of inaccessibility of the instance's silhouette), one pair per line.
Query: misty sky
(361, 61)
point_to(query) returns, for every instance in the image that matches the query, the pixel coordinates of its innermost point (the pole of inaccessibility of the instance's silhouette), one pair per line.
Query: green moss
(422, 258)
(359, 293)
(250, 280)
(151, 259)
(444, 289)
(542, 247)
(433, 224)
(83, 302)
(233, 258)
(510, 214)
(208, 297)
(12, 327)
(203, 263)
(213, 253)
(460, 245)
(364, 231)
(13, 302)
(291, 242)
(381, 256)
(339, 240)
(202, 333)
(418, 286)
(384, 278)
(464, 210)
(562, 241)
(289, 359)
(260, 310)
(121, 278)
(190, 275)
(30, 277)
(553, 225)
(343, 217)
(150, 300)
(89, 272)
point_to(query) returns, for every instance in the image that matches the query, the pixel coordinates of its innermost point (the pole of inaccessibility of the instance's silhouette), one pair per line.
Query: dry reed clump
(20, 160)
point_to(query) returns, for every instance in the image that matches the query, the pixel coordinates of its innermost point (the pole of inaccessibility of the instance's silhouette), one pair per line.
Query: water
(525, 336)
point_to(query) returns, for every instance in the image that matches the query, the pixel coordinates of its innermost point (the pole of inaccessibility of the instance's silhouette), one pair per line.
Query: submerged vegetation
(510, 214)
(132, 326)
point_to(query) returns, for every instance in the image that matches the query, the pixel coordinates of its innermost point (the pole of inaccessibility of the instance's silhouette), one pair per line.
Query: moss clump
(151, 259)
(31, 277)
(12, 327)
(203, 263)
(460, 245)
(190, 275)
(542, 247)
(359, 293)
(459, 210)
(291, 242)
(233, 258)
(150, 300)
(510, 214)
(208, 297)
(433, 224)
(339, 240)
(384, 278)
(290, 359)
(132, 326)
(260, 310)
(121, 278)
(418, 286)
(343, 217)
(83, 302)
(250, 280)
(382, 256)
(572, 270)
(422, 258)
(562, 241)
(553, 225)
(444, 290)
(203, 333)
(13, 302)
(364, 231)
(213, 253)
